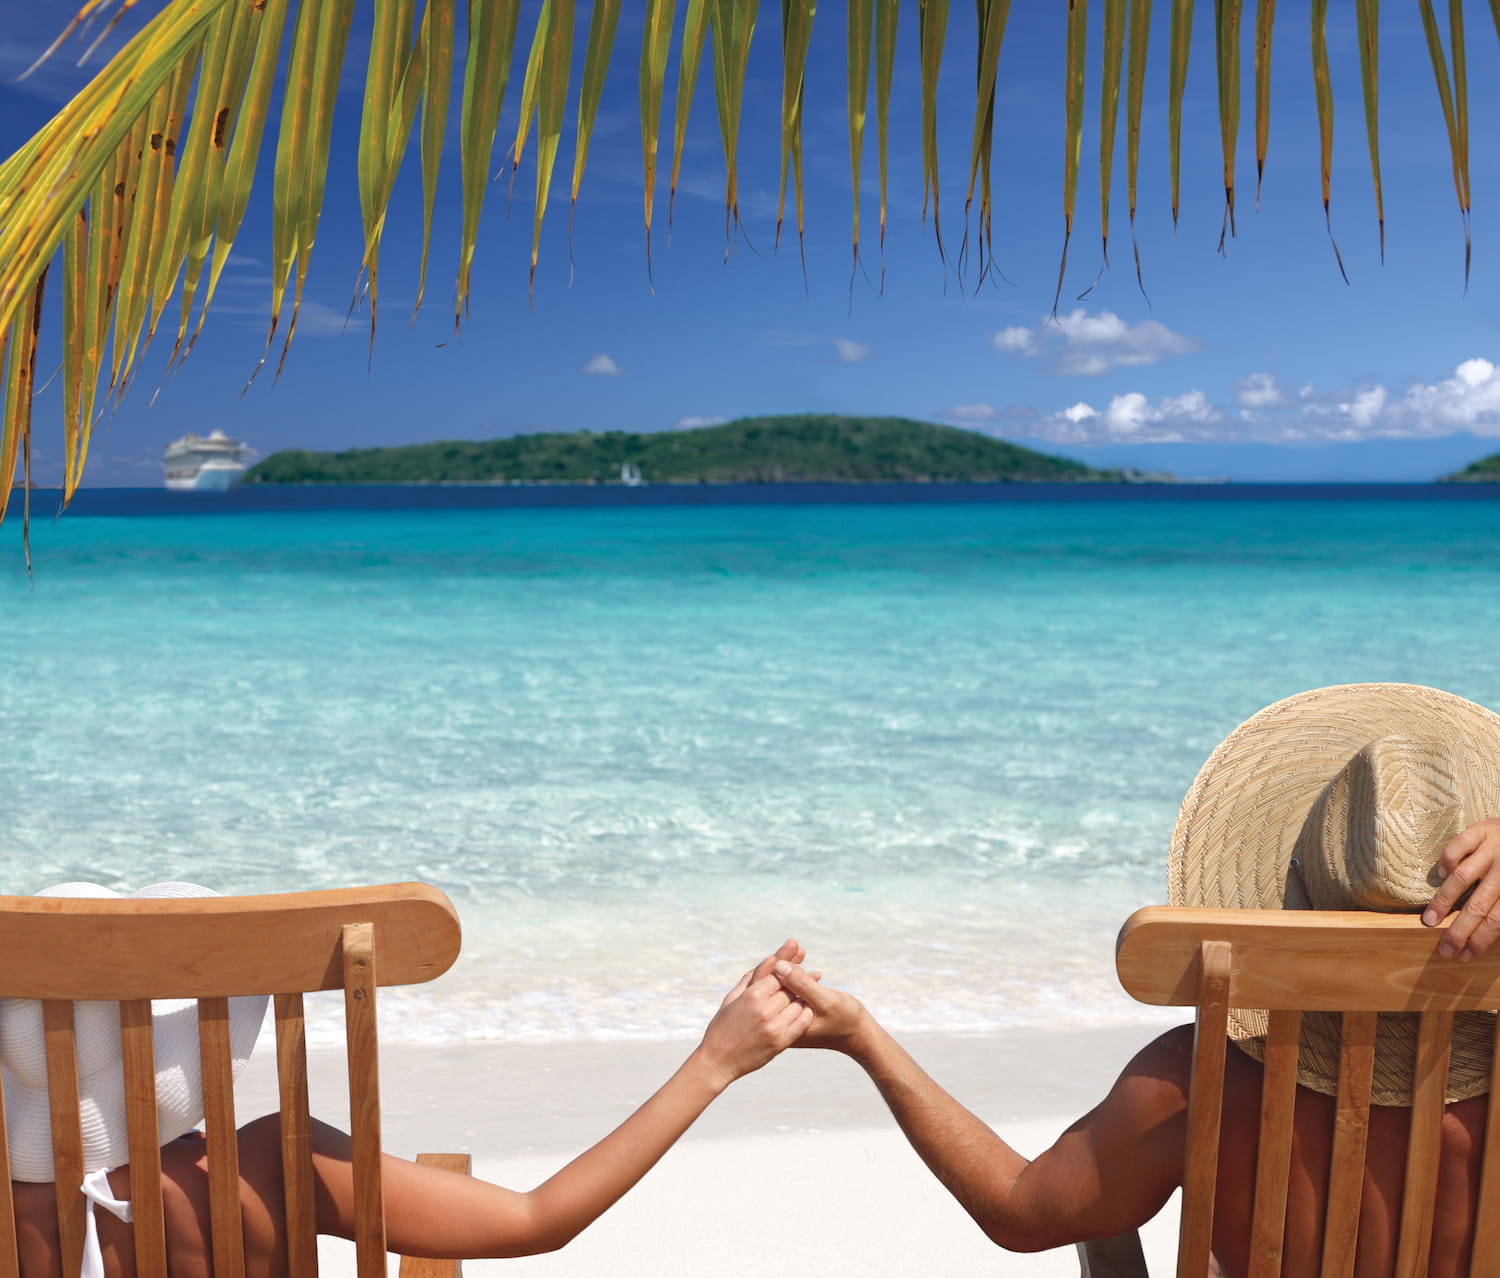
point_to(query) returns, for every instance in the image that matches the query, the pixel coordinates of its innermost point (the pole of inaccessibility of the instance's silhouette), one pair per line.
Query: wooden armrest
(424, 1266)
(1117, 1257)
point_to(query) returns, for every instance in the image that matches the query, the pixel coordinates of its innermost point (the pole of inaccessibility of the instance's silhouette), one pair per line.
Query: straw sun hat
(1341, 799)
(101, 1081)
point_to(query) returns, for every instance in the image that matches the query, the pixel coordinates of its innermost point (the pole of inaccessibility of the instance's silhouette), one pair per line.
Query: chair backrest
(60, 950)
(1290, 962)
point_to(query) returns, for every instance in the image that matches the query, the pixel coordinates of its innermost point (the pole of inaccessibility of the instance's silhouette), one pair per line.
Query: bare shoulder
(1136, 1135)
(1158, 1075)
(1114, 1168)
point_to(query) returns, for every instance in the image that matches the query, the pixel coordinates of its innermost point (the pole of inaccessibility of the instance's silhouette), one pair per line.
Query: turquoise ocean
(940, 741)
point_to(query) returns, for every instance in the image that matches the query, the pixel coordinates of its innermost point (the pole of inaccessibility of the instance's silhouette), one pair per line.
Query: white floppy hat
(1342, 798)
(101, 1081)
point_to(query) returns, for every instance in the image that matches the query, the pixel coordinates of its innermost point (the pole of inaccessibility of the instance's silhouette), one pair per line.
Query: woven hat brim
(1237, 828)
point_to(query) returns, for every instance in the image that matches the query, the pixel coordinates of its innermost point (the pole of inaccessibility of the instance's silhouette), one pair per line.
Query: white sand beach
(797, 1169)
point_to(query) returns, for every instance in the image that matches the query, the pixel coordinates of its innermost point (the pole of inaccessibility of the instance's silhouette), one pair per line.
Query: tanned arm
(1109, 1172)
(431, 1212)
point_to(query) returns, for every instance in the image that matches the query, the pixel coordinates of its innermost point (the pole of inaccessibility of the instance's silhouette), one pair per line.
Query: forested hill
(749, 450)
(1485, 471)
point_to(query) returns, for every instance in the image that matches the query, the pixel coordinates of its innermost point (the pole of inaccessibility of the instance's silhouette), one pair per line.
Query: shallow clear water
(943, 745)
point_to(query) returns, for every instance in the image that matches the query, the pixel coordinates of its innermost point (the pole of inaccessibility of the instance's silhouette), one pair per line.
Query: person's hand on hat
(1468, 862)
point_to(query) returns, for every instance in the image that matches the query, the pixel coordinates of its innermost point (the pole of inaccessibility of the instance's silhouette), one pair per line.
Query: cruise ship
(204, 464)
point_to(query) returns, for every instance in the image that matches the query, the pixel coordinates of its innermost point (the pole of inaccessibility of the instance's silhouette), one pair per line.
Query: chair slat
(1425, 1145)
(364, 1098)
(139, 1058)
(10, 1261)
(1205, 1104)
(216, 1055)
(424, 1267)
(67, 1135)
(1487, 1221)
(1351, 1129)
(296, 1136)
(61, 950)
(1278, 1109)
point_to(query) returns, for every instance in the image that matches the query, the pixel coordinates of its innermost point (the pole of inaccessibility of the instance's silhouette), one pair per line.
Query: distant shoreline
(295, 498)
(795, 448)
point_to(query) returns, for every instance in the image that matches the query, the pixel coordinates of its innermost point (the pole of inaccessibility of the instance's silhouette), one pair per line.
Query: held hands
(757, 1020)
(840, 1020)
(1469, 861)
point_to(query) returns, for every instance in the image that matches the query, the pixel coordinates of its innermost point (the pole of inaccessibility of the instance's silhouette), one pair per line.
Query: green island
(1484, 471)
(802, 448)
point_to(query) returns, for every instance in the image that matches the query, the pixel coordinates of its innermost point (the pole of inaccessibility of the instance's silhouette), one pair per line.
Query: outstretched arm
(431, 1212)
(1109, 1172)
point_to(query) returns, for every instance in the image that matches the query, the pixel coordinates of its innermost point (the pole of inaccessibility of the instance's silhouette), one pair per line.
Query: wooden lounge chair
(1290, 962)
(210, 949)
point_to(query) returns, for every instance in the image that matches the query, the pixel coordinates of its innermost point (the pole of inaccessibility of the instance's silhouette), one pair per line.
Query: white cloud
(852, 352)
(1084, 345)
(1468, 401)
(1133, 418)
(692, 423)
(1263, 411)
(1258, 391)
(601, 366)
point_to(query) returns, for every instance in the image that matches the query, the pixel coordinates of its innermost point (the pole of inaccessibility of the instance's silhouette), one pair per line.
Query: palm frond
(796, 35)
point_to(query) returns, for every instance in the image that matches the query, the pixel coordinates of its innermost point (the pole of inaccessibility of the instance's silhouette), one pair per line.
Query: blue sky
(1260, 364)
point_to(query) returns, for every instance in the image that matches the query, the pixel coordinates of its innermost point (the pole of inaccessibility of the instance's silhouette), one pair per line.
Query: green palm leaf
(992, 19)
(1265, 19)
(437, 43)
(1109, 109)
(1073, 79)
(861, 36)
(1227, 46)
(595, 64)
(1454, 96)
(733, 25)
(1367, 16)
(796, 34)
(1181, 46)
(18, 353)
(555, 35)
(1323, 95)
(492, 37)
(1135, 89)
(656, 44)
(932, 30)
(887, 15)
(390, 56)
(694, 31)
